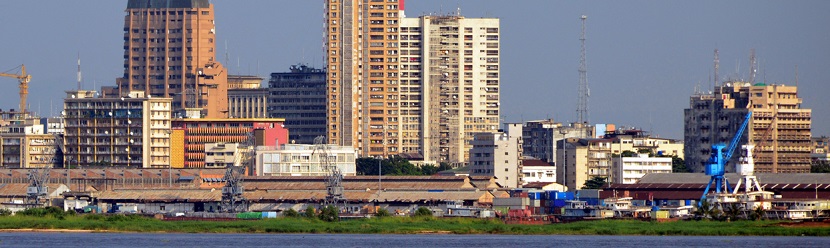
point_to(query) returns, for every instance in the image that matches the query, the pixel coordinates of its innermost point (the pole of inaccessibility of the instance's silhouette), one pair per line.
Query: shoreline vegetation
(404, 225)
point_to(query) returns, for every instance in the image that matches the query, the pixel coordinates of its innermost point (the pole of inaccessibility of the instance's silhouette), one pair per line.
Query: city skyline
(642, 67)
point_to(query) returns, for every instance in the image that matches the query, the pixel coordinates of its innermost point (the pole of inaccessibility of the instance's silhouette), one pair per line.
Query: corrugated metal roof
(766, 178)
(165, 195)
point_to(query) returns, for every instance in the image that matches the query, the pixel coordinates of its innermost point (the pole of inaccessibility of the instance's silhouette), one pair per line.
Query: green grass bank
(413, 225)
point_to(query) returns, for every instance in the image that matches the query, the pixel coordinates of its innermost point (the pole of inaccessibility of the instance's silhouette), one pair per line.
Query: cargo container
(249, 215)
(534, 195)
(558, 203)
(550, 194)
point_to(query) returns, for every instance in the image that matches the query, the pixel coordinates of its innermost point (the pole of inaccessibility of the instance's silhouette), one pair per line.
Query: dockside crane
(716, 166)
(24, 79)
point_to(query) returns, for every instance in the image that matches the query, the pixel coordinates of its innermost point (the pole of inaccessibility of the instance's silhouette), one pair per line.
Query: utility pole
(584, 92)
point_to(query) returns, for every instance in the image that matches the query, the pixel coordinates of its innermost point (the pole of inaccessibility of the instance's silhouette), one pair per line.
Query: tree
(707, 211)
(820, 166)
(757, 213)
(383, 213)
(594, 183)
(310, 212)
(329, 213)
(290, 213)
(733, 211)
(678, 165)
(627, 153)
(444, 166)
(423, 212)
(429, 169)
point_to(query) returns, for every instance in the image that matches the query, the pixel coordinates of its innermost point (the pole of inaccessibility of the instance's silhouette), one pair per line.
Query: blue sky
(645, 58)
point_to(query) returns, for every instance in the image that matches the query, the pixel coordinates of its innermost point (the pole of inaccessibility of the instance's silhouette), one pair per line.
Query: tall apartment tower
(409, 85)
(362, 58)
(455, 78)
(170, 51)
(779, 128)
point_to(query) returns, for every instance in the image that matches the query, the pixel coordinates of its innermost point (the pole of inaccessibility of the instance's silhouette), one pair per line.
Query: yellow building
(779, 128)
(132, 131)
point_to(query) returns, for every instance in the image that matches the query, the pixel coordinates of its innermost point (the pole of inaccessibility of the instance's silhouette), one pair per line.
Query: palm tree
(757, 213)
(733, 211)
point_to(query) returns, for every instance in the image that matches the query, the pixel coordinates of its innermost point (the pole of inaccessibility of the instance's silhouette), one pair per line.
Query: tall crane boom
(716, 166)
(24, 79)
(737, 138)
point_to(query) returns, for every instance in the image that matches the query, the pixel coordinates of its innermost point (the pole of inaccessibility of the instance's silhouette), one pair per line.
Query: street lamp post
(379, 175)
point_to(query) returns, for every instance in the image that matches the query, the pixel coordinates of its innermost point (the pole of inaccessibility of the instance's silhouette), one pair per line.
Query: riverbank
(406, 225)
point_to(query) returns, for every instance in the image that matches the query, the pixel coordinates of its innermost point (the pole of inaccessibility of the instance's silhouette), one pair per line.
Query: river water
(371, 240)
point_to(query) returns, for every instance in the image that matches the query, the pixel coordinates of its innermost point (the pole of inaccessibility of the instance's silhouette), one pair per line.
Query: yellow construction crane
(24, 79)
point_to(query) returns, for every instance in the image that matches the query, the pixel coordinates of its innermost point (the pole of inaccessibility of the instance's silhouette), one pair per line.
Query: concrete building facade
(170, 52)
(499, 155)
(628, 170)
(779, 128)
(409, 85)
(246, 97)
(821, 149)
(537, 171)
(247, 103)
(193, 135)
(133, 131)
(541, 137)
(582, 160)
(222, 155)
(24, 144)
(301, 160)
(299, 97)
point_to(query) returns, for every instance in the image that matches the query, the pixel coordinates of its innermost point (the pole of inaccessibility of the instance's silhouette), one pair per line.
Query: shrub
(383, 213)
(94, 217)
(5, 212)
(290, 213)
(330, 213)
(310, 212)
(423, 211)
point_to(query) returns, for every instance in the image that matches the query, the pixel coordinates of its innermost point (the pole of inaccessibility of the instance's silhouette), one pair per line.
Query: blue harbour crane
(716, 166)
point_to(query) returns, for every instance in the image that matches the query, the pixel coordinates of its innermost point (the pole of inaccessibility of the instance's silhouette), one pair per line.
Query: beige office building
(170, 51)
(779, 128)
(410, 85)
(132, 131)
(25, 144)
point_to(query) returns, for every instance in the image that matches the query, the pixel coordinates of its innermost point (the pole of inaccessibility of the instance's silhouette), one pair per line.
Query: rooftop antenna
(753, 68)
(227, 59)
(765, 70)
(79, 70)
(717, 66)
(584, 92)
(737, 69)
(796, 79)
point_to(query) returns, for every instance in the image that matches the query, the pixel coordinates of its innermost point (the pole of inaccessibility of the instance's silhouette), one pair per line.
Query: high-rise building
(170, 51)
(299, 97)
(133, 131)
(409, 85)
(362, 64)
(457, 87)
(779, 128)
